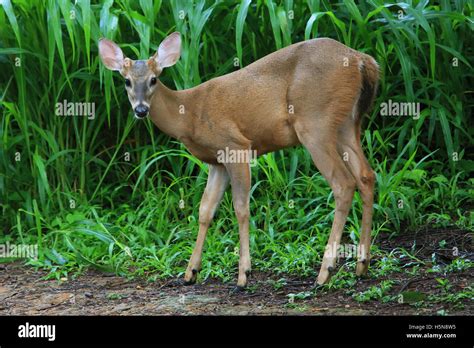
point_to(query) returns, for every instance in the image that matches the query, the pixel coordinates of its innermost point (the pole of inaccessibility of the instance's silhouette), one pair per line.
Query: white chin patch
(139, 118)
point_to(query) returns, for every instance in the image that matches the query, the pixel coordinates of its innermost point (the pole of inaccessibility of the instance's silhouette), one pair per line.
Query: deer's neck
(170, 111)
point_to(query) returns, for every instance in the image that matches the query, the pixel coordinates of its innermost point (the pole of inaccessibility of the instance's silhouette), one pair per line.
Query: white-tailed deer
(312, 93)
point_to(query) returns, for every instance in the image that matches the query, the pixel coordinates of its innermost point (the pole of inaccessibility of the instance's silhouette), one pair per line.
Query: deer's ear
(169, 50)
(111, 55)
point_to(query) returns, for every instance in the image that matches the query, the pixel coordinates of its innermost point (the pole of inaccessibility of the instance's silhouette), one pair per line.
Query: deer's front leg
(240, 180)
(217, 183)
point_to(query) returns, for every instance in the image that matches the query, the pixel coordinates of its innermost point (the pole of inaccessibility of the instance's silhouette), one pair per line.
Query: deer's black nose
(141, 111)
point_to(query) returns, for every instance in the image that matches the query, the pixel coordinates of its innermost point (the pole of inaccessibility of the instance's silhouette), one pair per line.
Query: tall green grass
(65, 182)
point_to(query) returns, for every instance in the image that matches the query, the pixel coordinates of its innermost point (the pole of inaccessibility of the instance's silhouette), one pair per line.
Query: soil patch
(23, 291)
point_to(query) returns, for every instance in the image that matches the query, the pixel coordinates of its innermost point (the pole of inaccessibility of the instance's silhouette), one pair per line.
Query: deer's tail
(370, 81)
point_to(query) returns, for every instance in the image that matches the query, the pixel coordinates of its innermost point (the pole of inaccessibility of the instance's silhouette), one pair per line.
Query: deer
(312, 93)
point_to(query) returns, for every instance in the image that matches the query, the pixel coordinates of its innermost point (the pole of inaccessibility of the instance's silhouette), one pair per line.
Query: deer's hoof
(243, 277)
(324, 275)
(190, 276)
(362, 268)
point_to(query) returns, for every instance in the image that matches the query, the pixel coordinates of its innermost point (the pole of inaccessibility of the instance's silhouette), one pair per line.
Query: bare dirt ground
(23, 291)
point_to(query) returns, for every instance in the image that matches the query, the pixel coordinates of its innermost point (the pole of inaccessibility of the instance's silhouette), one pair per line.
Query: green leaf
(240, 22)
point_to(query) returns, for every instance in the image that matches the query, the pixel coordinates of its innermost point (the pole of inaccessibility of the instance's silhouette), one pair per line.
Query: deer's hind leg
(320, 140)
(355, 160)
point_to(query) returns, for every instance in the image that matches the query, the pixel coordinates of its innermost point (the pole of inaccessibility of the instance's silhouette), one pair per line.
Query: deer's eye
(127, 82)
(153, 81)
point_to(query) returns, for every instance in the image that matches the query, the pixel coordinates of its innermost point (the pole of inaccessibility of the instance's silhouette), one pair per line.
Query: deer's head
(141, 75)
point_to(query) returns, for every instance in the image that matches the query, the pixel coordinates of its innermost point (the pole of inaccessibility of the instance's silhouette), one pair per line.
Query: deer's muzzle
(141, 111)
